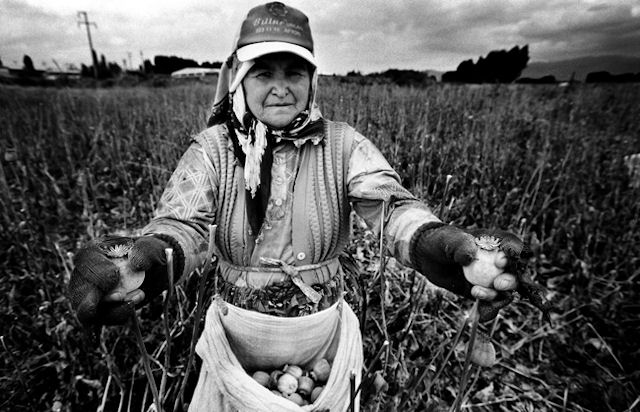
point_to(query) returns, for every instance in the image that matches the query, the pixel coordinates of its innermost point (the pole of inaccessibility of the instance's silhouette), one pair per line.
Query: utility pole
(86, 22)
(57, 65)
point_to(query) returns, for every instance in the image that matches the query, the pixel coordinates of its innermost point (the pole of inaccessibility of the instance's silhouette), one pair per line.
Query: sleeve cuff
(178, 253)
(416, 237)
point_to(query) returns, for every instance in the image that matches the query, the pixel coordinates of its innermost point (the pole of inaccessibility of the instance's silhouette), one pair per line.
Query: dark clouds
(370, 35)
(577, 31)
(438, 34)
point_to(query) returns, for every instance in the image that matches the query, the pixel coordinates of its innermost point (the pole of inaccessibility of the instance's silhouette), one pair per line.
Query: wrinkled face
(277, 88)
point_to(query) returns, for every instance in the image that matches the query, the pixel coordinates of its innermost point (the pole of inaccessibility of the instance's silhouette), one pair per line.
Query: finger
(97, 269)
(145, 253)
(465, 249)
(500, 260)
(87, 307)
(114, 297)
(489, 309)
(139, 260)
(135, 296)
(510, 244)
(483, 293)
(505, 281)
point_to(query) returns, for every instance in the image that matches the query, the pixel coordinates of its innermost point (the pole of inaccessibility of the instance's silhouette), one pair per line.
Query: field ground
(543, 161)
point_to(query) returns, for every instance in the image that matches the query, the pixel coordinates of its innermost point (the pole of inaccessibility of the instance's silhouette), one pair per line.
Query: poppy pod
(305, 385)
(287, 384)
(320, 370)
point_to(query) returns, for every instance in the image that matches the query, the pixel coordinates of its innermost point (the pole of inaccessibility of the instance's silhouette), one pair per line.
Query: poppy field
(545, 162)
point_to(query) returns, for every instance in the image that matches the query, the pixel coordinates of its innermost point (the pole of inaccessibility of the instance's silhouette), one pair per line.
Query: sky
(350, 35)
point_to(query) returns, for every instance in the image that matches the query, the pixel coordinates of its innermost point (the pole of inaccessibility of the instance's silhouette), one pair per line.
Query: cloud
(43, 33)
(434, 34)
(371, 35)
(422, 34)
(578, 31)
(28, 30)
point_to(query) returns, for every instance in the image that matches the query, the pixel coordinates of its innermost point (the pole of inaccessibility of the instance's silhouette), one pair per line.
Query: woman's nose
(280, 87)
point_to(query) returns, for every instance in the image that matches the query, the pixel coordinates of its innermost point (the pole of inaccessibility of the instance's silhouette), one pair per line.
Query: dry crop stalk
(21, 377)
(167, 330)
(443, 201)
(179, 402)
(145, 359)
(466, 369)
(368, 370)
(382, 282)
(382, 290)
(352, 390)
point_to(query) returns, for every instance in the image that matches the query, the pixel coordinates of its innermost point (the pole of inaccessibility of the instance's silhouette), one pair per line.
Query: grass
(542, 161)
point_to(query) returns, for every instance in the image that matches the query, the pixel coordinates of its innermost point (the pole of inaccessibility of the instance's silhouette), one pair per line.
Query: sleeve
(188, 206)
(371, 180)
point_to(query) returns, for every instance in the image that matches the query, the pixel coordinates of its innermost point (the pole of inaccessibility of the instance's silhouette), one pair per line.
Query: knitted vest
(320, 205)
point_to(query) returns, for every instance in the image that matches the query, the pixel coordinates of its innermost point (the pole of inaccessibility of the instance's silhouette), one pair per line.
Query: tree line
(108, 69)
(498, 66)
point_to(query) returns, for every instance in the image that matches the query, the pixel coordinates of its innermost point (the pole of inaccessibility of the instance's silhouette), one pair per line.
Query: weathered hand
(96, 288)
(93, 277)
(516, 256)
(441, 252)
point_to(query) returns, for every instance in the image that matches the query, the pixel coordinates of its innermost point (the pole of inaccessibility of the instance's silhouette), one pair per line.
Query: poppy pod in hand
(129, 280)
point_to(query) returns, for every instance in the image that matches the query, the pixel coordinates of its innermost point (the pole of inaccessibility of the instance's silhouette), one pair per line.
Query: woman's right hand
(93, 278)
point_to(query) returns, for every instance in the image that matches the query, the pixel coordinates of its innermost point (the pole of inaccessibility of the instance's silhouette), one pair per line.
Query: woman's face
(277, 88)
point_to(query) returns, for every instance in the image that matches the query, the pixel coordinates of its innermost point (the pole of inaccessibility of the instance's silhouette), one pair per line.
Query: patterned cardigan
(328, 175)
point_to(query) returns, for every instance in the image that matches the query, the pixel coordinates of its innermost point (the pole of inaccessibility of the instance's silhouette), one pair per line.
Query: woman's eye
(263, 75)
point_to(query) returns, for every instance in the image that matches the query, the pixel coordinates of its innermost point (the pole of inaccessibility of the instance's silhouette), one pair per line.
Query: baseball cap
(274, 28)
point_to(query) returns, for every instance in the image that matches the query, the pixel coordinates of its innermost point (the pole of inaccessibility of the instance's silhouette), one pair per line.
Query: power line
(87, 23)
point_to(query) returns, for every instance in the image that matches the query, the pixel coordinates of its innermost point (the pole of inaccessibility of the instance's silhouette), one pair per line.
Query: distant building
(54, 75)
(194, 72)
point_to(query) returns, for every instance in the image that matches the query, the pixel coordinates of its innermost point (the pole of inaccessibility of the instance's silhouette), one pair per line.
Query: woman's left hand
(474, 263)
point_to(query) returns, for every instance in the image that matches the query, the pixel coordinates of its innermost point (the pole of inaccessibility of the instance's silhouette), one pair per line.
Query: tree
(147, 66)
(94, 67)
(27, 64)
(211, 65)
(103, 70)
(170, 64)
(114, 69)
(85, 71)
(606, 77)
(404, 77)
(499, 66)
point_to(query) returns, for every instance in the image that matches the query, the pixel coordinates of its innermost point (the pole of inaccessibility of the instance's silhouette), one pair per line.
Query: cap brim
(255, 50)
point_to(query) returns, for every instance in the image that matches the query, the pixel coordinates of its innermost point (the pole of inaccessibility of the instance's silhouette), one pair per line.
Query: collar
(315, 139)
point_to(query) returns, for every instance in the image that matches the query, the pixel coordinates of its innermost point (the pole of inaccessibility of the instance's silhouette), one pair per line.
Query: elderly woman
(279, 181)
